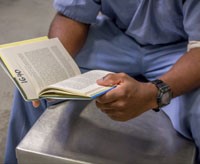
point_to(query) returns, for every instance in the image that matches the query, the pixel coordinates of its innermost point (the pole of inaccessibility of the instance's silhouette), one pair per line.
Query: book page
(39, 64)
(83, 85)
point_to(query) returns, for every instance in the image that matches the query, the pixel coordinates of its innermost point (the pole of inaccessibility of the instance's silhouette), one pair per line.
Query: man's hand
(129, 99)
(36, 103)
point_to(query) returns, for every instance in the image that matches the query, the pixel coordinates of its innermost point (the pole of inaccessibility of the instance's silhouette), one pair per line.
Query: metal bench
(76, 132)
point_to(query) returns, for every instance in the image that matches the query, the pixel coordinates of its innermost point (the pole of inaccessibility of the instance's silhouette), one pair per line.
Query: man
(156, 39)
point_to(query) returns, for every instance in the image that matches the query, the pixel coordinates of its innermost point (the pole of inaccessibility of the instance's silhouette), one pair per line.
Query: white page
(84, 84)
(40, 64)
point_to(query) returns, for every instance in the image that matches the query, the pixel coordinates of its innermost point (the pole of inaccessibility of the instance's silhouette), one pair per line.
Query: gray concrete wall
(19, 20)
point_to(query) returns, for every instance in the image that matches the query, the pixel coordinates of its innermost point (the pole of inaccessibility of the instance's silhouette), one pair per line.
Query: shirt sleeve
(84, 11)
(191, 16)
(193, 44)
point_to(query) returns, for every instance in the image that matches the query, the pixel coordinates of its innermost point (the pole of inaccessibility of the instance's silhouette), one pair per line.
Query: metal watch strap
(162, 88)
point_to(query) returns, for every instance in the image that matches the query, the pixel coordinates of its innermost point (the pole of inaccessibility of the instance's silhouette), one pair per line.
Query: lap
(184, 112)
(109, 48)
(23, 116)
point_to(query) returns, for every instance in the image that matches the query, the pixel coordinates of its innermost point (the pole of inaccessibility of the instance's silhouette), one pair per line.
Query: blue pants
(109, 48)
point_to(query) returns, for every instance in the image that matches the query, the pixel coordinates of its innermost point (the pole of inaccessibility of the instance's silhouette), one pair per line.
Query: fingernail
(102, 79)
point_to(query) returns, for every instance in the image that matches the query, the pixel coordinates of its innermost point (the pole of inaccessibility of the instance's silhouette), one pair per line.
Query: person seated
(159, 40)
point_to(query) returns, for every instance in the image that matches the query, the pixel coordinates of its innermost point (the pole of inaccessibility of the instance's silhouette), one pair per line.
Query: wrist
(151, 95)
(164, 94)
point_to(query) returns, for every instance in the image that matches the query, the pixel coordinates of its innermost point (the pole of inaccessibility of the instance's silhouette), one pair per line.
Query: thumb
(36, 104)
(109, 80)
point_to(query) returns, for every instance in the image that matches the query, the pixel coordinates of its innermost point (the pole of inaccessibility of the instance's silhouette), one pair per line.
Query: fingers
(111, 109)
(113, 113)
(118, 103)
(110, 79)
(36, 103)
(117, 114)
(113, 105)
(108, 97)
(117, 93)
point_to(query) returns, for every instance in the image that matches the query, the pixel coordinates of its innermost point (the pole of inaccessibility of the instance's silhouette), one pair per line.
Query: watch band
(164, 92)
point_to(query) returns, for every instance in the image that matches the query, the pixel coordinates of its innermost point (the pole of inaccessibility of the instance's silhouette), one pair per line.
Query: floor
(20, 20)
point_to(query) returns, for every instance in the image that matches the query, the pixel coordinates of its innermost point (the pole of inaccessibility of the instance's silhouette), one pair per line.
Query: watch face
(166, 98)
(164, 93)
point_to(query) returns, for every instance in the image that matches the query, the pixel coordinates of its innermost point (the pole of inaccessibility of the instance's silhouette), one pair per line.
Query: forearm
(71, 33)
(184, 75)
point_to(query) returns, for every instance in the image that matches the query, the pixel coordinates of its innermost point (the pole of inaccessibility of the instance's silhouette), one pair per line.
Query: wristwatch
(164, 95)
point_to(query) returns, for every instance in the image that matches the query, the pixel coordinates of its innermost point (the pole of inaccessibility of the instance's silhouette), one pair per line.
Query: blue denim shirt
(149, 22)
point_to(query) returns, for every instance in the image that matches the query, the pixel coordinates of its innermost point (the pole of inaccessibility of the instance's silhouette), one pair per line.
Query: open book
(42, 68)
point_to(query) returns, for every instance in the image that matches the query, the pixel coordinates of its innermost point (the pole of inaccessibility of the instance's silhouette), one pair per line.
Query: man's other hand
(128, 99)
(36, 103)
